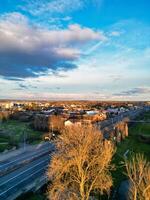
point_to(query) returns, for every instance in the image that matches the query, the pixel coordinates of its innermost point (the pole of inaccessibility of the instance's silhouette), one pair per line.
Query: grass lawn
(13, 131)
(142, 128)
(40, 195)
(37, 197)
(4, 146)
(132, 144)
(146, 116)
(32, 196)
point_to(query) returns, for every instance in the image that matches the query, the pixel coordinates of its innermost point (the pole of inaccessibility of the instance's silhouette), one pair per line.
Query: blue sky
(75, 49)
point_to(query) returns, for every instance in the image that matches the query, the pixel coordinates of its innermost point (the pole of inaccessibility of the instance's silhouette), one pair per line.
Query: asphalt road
(33, 164)
(27, 156)
(19, 178)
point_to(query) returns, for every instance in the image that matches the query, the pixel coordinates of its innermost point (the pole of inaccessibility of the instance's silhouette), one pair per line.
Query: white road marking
(23, 172)
(23, 157)
(19, 182)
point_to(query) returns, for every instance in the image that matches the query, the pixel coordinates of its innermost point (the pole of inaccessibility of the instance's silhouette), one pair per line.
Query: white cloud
(106, 65)
(39, 7)
(115, 33)
(37, 50)
(55, 96)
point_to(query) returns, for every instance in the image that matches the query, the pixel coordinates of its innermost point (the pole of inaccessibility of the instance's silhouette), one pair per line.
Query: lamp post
(24, 140)
(112, 121)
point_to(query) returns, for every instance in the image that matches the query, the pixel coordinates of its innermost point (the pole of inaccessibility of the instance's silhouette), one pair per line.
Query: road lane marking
(25, 157)
(22, 157)
(19, 182)
(23, 172)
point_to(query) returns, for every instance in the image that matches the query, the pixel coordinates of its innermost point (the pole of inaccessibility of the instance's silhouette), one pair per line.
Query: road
(33, 167)
(129, 114)
(27, 169)
(25, 157)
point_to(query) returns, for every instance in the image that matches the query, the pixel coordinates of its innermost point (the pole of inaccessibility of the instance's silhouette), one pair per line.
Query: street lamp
(24, 140)
(112, 120)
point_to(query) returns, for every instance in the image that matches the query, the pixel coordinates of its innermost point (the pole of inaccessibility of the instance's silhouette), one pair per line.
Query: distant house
(95, 117)
(92, 112)
(71, 122)
(113, 110)
(48, 112)
(68, 123)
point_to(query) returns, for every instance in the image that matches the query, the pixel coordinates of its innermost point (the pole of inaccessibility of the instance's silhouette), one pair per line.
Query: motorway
(31, 167)
(25, 157)
(18, 172)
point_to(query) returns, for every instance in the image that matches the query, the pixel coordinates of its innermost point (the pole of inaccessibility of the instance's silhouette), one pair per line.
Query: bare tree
(55, 122)
(138, 171)
(40, 122)
(81, 165)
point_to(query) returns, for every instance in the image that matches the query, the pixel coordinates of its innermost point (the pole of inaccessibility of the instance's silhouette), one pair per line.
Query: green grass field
(13, 132)
(132, 144)
(32, 196)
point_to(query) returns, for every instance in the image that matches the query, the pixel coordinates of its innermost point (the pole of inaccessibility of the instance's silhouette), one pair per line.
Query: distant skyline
(75, 49)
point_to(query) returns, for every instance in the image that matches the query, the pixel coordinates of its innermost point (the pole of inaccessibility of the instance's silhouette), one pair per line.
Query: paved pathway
(7, 155)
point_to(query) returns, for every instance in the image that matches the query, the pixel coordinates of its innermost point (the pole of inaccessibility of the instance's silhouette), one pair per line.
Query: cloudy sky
(75, 49)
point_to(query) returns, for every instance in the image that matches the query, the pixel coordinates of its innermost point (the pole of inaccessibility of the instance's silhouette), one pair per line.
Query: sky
(75, 49)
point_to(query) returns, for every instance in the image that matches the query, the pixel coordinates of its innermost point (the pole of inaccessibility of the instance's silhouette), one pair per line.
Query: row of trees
(4, 115)
(47, 123)
(81, 167)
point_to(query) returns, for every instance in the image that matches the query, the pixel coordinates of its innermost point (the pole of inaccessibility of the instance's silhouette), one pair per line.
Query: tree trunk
(82, 191)
(135, 194)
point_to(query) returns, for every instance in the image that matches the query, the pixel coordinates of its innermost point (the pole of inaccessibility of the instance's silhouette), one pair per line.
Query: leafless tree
(55, 122)
(40, 122)
(81, 165)
(138, 171)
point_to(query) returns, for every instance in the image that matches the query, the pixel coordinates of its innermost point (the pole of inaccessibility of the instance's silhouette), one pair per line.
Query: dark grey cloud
(23, 86)
(28, 51)
(134, 91)
(13, 79)
(115, 77)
